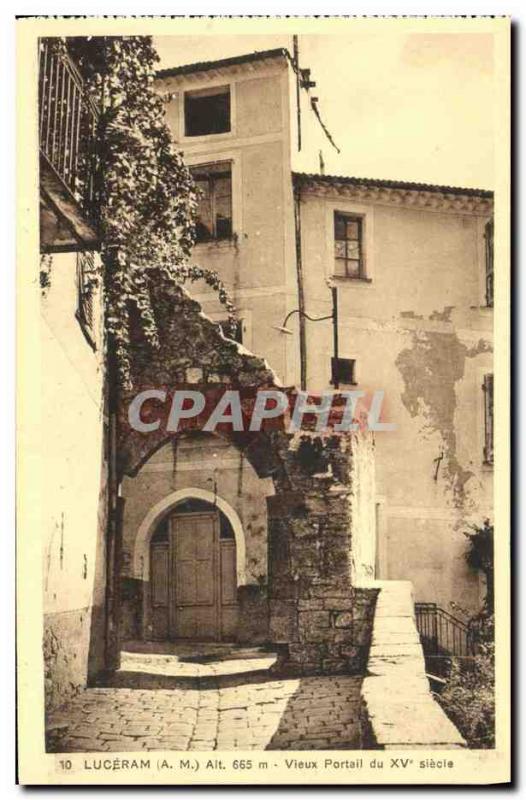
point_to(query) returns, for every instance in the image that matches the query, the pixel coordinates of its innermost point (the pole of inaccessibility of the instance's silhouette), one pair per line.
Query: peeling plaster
(410, 315)
(430, 369)
(442, 316)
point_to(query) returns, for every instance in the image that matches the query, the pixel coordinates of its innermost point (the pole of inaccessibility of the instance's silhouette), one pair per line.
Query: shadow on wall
(97, 633)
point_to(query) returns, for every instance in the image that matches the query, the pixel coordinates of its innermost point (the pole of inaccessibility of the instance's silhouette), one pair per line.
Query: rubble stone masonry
(315, 616)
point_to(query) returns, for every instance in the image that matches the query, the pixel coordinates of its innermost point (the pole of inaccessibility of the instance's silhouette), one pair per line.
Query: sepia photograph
(268, 265)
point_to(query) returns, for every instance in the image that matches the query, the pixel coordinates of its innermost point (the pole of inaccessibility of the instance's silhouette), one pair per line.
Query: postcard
(263, 400)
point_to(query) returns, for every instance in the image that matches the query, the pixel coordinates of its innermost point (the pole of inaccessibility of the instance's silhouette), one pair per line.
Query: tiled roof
(342, 180)
(203, 66)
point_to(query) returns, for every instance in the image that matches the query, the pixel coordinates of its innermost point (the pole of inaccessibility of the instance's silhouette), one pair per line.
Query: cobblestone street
(208, 697)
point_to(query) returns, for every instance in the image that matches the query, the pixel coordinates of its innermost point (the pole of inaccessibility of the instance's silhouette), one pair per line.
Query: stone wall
(311, 534)
(401, 711)
(318, 505)
(71, 648)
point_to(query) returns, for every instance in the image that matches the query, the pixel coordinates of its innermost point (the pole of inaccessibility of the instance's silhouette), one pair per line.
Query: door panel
(193, 581)
(194, 539)
(229, 611)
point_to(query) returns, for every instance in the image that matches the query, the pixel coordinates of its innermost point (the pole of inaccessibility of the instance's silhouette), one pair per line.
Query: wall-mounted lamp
(334, 316)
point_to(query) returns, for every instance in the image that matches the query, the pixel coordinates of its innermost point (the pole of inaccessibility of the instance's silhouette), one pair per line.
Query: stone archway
(141, 565)
(318, 495)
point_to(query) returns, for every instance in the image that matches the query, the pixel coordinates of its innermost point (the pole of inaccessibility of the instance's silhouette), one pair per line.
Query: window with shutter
(487, 388)
(488, 237)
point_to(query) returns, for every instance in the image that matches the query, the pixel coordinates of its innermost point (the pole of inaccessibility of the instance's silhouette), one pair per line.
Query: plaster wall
(258, 263)
(72, 502)
(418, 329)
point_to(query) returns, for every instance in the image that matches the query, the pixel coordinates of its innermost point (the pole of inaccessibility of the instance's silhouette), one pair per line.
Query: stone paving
(208, 697)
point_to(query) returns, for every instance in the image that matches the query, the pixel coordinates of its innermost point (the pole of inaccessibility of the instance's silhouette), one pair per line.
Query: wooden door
(195, 595)
(193, 591)
(229, 607)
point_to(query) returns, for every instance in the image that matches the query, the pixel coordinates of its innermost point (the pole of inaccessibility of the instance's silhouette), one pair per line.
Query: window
(207, 111)
(237, 335)
(487, 388)
(348, 246)
(214, 209)
(86, 282)
(488, 236)
(343, 370)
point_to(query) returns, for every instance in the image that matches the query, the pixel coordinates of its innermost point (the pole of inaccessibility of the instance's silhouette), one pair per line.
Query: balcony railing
(441, 633)
(67, 125)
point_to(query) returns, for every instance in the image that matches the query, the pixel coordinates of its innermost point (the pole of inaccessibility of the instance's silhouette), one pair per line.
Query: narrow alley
(208, 697)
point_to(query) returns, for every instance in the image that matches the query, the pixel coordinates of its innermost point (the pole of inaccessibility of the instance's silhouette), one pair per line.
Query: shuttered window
(487, 388)
(488, 237)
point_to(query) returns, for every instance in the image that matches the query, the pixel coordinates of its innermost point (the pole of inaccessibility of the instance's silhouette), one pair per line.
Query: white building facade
(412, 266)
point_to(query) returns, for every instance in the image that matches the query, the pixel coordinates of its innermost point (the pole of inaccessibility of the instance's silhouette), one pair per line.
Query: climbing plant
(146, 194)
(480, 556)
(469, 695)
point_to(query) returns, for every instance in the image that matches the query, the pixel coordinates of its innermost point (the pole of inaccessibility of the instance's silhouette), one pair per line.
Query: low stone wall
(401, 711)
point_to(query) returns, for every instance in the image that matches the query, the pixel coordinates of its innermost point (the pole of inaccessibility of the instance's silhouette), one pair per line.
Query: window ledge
(351, 278)
(217, 244)
(206, 137)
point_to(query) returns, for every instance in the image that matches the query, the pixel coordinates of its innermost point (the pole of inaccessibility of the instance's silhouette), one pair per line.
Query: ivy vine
(147, 197)
(46, 263)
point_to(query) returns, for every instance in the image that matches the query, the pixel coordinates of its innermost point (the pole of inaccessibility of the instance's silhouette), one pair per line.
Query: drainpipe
(115, 503)
(335, 375)
(301, 292)
(296, 61)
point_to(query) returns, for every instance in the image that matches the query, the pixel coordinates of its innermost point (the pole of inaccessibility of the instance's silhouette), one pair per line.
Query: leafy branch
(147, 196)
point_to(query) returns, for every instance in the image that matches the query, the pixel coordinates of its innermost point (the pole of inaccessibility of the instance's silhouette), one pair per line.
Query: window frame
(489, 262)
(207, 91)
(360, 219)
(212, 178)
(489, 419)
(341, 381)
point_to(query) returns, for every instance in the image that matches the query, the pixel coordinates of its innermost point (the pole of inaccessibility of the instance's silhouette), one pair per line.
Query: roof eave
(350, 181)
(223, 63)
